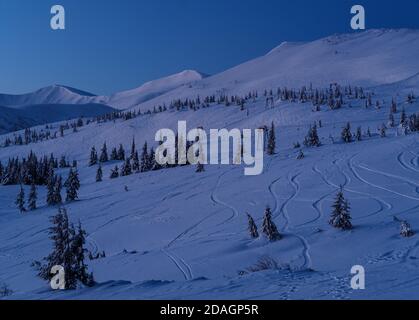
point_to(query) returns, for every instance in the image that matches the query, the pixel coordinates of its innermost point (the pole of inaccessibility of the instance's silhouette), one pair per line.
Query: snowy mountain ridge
(59, 94)
(369, 58)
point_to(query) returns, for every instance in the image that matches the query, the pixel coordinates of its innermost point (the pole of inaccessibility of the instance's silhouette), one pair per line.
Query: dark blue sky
(114, 45)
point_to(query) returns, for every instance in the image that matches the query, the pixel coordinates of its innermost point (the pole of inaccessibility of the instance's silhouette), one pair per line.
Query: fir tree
(340, 217)
(72, 185)
(253, 230)
(114, 173)
(126, 168)
(135, 162)
(57, 191)
(68, 252)
(79, 268)
(121, 153)
(114, 154)
(144, 159)
(405, 230)
(271, 141)
(269, 228)
(312, 138)
(359, 134)
(393, 108)
(104, 154)
(93, 157)
(99, 174)
(151, 159)
(300, 155)
(391, 120)
(51, 191)
(403, 117)
(33, 196)
(20, 200)
(133, 151)
(383, 131)
(346, 133)
(60, 234)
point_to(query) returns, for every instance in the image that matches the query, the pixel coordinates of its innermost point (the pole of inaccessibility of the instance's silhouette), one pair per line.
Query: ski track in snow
(219, 202)
(382, 204)
(389, 175)
(352, 168)
(178, 261)
(283, 212)
(404, 164)
(177, 264)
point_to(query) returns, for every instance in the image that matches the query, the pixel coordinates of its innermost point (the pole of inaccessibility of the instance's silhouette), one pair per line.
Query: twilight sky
(111, 45)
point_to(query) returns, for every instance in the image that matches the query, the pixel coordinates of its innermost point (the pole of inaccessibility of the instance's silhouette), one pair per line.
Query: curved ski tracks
(283, 212)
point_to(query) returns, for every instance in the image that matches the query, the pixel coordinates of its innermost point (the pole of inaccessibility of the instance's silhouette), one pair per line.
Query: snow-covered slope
(178, 234)
(152, 89)
(406, 86)
(371, 58)
(367, 58)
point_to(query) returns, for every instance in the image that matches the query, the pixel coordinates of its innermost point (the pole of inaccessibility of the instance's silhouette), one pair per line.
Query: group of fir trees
(31, 170)
(135, 163)
(35, 135)
(54, 187)
(340, 219)
(68, 252)
(269, 228)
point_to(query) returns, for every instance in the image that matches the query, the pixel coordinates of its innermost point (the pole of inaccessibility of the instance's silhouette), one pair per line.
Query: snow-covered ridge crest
(59, 94)
(151, 89)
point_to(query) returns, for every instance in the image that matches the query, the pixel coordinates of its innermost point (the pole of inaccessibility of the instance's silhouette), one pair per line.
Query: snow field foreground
(177, 234)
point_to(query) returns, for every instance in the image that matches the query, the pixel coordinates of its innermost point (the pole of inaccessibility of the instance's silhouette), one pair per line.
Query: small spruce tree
(405, 230)
(20, 200)
(340, 217)
(93, 157)
(114, 173)
(99, 174)
(104, 154)
(253, 230)
(33, 196)
(269, 228)
(346, 133)
(271, 141)
(72, 185)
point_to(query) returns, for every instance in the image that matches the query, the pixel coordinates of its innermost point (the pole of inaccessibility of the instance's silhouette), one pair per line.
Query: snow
(177, 234)
(55, 94)
(152, 89)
